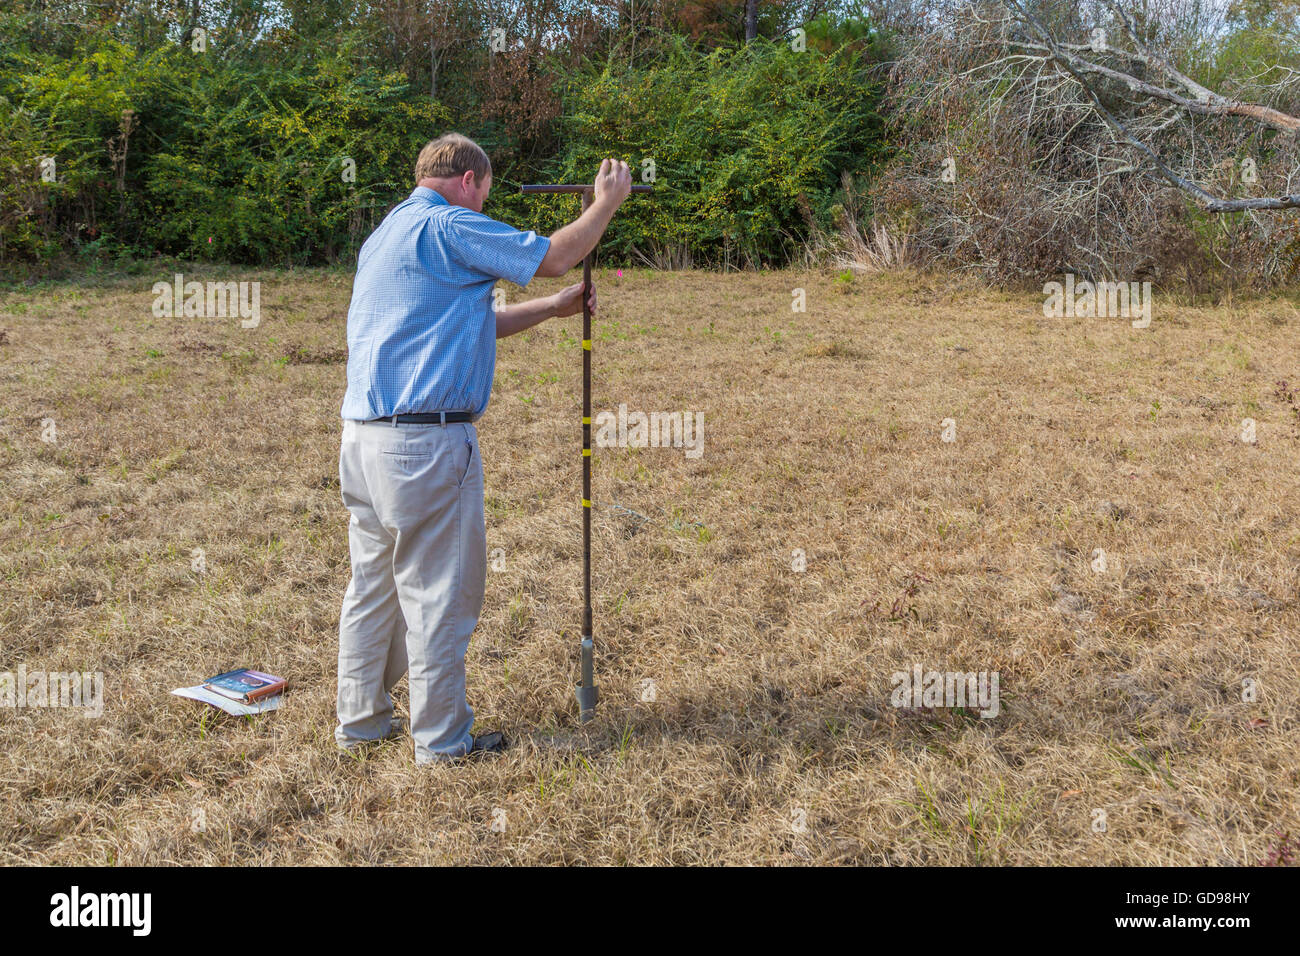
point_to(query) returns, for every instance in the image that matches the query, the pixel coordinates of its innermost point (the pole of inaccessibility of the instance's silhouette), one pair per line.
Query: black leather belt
(427, 418)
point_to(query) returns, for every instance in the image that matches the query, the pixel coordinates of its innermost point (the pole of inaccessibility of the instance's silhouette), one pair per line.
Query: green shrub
(237, 154)
(229, 159)
(748, 146)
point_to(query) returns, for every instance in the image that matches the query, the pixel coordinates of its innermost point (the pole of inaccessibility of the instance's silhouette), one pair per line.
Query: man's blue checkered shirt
(421, 330)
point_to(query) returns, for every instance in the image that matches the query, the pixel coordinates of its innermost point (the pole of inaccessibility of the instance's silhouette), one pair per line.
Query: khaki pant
(419, 566)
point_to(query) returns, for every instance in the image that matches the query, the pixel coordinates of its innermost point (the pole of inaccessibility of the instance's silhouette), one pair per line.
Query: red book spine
(266, 691)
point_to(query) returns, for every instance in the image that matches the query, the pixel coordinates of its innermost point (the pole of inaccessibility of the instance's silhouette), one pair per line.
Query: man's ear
(467, 181)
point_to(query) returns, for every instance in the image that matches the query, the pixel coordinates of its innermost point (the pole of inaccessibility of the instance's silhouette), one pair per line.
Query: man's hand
(613, 182)
(568, 301)
(515, 318)
(569, 245)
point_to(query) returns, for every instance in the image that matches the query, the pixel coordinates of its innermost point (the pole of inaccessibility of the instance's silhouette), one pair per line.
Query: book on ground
(245, 685)
(242, 692)
(227, 704)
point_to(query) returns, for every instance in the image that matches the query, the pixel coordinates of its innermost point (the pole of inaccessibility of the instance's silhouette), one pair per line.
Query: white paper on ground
(235, 707)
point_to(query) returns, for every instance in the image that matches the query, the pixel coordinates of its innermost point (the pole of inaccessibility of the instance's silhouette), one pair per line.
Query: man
(421, 353)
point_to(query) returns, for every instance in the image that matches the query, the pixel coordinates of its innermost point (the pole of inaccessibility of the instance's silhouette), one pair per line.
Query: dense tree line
(279, 131)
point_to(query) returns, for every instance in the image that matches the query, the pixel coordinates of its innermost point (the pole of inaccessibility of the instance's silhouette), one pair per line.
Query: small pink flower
(620, 273)
(209, 238)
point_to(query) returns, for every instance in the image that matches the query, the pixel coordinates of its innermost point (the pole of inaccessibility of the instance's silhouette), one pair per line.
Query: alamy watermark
(208, 300)
(655, 430)
(75, 908)
(920, 688)
(1085, 299)
(83, 691)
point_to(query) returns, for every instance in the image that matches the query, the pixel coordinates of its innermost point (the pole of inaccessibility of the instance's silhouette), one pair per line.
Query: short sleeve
(495, 249)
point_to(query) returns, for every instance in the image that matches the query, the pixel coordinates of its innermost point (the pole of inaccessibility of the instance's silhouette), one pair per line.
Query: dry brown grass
(1120, 691)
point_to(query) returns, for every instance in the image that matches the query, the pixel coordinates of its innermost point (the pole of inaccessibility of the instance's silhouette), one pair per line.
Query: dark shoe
(489, 743)
(484, 744)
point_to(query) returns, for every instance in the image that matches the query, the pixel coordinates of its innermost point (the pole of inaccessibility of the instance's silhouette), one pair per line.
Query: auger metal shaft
(586, 688)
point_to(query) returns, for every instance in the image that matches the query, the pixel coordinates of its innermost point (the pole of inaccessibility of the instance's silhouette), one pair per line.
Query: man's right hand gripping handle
(613, 182)
(571, 243)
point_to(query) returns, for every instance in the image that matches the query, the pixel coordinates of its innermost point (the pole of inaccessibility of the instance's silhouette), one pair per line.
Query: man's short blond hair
(452, 155)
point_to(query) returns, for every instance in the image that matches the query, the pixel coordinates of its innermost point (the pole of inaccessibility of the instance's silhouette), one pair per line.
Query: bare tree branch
(1209, 104)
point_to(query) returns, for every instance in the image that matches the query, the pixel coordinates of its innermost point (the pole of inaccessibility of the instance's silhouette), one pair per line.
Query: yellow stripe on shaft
(586, 419)
(586, 453)
(586, 503)
(586, 344)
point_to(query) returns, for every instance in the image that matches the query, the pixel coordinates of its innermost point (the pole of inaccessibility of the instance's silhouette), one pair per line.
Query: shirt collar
(432, 195)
